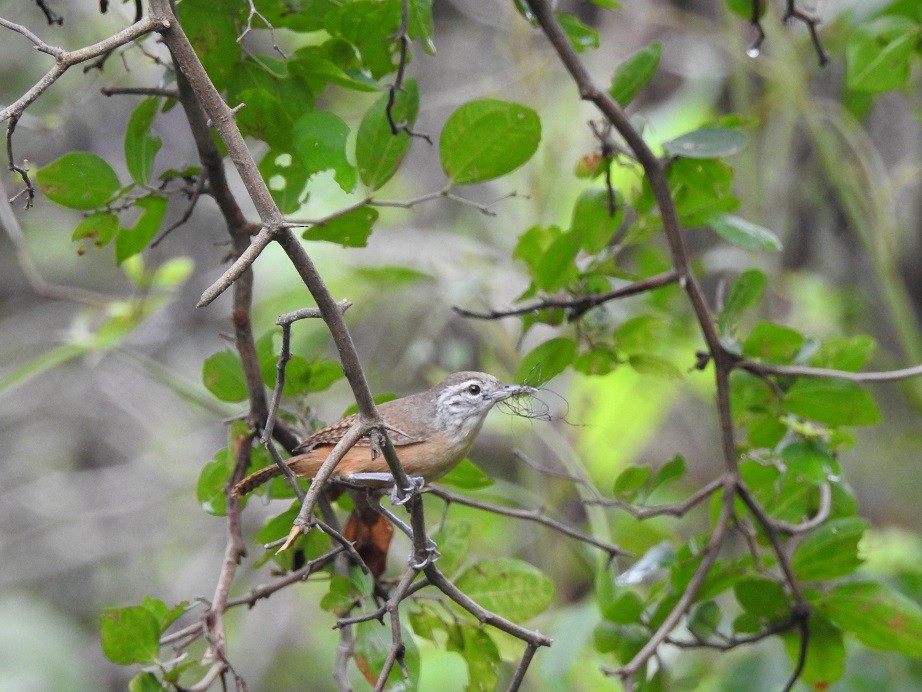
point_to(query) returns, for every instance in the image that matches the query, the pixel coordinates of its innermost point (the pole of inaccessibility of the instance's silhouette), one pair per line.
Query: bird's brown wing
(332, 434)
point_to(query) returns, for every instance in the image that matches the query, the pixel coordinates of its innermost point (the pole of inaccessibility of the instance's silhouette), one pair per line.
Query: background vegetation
(791, 160)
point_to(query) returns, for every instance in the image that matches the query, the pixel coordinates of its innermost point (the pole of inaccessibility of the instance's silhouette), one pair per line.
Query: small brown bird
(432, 431)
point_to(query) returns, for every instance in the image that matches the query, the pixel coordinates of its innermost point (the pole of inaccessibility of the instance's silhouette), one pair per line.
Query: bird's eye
(474, 389)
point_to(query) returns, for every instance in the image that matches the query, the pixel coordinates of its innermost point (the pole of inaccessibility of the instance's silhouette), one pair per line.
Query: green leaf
(546, 361)
(557, 266)
(626, 609)
(707, 143)
(702, 189)
(704, 620)
(350, 229)
(508, 587)
(831, 401)
(129, 635)
(844, 353)
(371, 648)
(313, 66)
(140, 147)
(671, 470)
(635, 73)
(320, 143)
(419, 21)
(829, 551)
(487, 138)
(468, 476)
(743, 8)
(630, 481)
(370, 26)
(453, 539)
(764, 598)
(878, 53)
(881, 617)
(648, 364)
(286, 179)
(78, 180)
(273, 99)
(213, 34)
(130, 241)
(145, 682)
(809, 460)
(378, 151)
(745, 292)
(212, 481)
(773, 343)
(173, 273)
(480, 653)
(100, 228)
(222, 375)
(593, 221)
(580, 36)
(165, 615)
(825, 662)
(640, 334)
(745, 234)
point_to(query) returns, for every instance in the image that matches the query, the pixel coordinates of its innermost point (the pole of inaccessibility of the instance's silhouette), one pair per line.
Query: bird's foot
(401, 498)
(431, 554)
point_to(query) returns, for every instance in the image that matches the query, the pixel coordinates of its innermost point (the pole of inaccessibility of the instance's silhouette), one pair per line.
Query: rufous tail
(256, 479)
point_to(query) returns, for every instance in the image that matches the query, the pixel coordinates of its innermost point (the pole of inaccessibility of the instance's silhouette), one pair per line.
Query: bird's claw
(406, 494)
(432, 554)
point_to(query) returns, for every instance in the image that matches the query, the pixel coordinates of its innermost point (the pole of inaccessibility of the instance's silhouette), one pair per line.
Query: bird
(432, 432)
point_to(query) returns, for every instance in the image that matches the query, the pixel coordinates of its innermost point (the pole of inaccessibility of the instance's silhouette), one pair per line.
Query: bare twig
(791, 12)
(764, 369)
(140, 91)
(403, 41)
(51, 16)
(66, 59)
(577, 307)
(535, 515)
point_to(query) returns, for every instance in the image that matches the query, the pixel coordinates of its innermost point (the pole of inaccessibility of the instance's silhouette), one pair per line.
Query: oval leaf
(635, 73)
(547, 360)
(140, 147)
(830, 551)
(222, 375)
(744, 234)
(488, 138)
(879, 616)
(378, 151)
(78, 180)
(707, 143)
(129, 635)
(508, 587)
(349, 230)
(833, 402)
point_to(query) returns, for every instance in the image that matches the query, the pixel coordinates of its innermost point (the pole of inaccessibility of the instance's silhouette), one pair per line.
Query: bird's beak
(510, 390)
